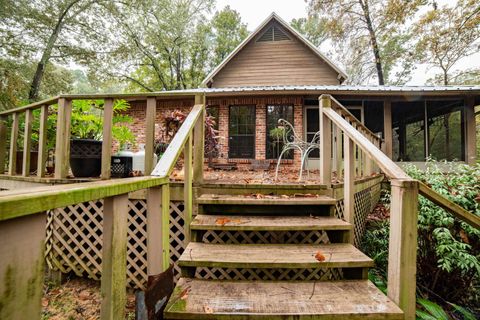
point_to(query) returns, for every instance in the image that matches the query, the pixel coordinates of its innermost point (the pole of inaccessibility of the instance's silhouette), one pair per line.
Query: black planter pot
(85, 157)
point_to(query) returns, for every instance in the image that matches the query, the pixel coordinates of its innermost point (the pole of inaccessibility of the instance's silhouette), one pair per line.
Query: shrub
(448, 260)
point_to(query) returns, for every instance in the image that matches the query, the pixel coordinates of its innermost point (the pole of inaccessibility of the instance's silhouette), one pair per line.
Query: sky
(253, 12)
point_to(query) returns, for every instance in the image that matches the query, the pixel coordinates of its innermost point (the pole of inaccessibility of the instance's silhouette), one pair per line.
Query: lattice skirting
(74, 240)
(364, 202)
(268, 274)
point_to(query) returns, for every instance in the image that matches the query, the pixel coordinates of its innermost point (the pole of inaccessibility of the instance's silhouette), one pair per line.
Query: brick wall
(137, 112)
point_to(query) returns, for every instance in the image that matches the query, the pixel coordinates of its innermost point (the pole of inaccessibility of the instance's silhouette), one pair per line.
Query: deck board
(355, 299)
(268, 223)
(336, 255)
(264, 200)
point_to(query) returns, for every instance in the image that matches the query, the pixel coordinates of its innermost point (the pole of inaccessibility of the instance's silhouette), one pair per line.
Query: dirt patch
(77, 299)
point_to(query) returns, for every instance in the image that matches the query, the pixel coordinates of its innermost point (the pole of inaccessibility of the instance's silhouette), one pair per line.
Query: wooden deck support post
(402, 251)
(114, 257)
(199, 142)
(349, 185)
(471, 147)
(165, 228)
(22, 267)
(12, 161)
(3, 143)
(27, 142)
(150, 134)
(154, 231)
(325, 142)
(187, 188)
(338, 151)
(387, 128)
(107, 139)
(42, 142)
(62, 141)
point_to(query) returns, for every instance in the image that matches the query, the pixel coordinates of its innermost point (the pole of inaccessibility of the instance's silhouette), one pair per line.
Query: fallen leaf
(464, 236)
(319, 256)
(222, 221)
(284, 196)
(184, 294)
(45, 302)
(207, 309)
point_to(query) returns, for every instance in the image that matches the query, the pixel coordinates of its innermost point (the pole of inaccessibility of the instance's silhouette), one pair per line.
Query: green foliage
(87, 121)
(430, 311)
(448, 257)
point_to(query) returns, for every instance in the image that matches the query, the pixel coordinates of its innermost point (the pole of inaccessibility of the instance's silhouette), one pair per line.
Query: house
(277, 73)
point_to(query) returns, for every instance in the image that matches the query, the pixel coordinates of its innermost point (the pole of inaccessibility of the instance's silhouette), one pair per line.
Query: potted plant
(87, 130)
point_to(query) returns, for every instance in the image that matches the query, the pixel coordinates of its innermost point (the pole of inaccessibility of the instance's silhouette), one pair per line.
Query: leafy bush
(448, 260)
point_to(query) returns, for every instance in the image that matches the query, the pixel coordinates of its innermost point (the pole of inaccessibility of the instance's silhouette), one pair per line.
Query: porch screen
(241, 140)
(274, 134)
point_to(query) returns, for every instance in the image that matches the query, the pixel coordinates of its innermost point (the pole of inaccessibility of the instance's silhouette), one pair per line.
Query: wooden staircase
(272, 257)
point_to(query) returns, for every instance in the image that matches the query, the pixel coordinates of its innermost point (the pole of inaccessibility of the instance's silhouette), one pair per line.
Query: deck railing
(22, 225)
(62, 134)
(404, 196)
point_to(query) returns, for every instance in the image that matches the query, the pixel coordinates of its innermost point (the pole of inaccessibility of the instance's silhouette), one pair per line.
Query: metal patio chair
(292, 141)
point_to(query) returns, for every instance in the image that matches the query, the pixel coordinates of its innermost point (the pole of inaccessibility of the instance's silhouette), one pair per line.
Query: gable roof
(274, 17)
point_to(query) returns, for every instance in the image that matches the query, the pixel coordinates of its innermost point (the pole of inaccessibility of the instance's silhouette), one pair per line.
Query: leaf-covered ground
(77, 299)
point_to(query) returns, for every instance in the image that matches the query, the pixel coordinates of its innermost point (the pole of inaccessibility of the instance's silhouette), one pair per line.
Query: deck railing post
(165, 227)
(27, 142)
(42, 142)
(62, 141)
(12, 161)
(199, 142)
(114, 257)
(154, 234)
(3, 143)
(325, 142)
(402, 251)
(150, 134)
(349, 184)
(22, 266)
(107, 138)
(187, 188)
(338, 151)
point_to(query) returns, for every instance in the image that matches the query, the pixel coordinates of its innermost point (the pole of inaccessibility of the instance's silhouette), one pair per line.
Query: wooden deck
(200, 299)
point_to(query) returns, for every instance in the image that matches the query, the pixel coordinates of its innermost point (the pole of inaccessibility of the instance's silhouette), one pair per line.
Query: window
(443, 137)
(274, 133)
(445, 127)
(242, 132)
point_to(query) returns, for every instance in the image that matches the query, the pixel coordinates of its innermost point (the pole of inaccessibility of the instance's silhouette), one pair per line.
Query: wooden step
(268, 223)
(337, 255)
(264, 200)
(207, 299)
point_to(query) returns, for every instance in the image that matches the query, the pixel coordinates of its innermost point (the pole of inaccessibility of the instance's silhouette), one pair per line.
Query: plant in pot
(86, 131)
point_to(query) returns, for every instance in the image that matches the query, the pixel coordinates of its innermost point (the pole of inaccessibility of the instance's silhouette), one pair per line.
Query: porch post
(325, 142)
(471, 139)
(150, 134)
(199, 142)
(387, 128)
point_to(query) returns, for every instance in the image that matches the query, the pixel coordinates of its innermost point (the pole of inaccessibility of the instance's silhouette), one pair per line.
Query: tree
(313, 28)
(155, 41)
(446, 35)
(370, 35)
(228, 31)
(49, 30)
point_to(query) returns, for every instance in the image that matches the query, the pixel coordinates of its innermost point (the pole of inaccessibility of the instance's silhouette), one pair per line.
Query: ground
(77, 299)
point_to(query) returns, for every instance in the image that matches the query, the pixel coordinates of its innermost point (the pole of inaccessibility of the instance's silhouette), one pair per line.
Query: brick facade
(138, 110)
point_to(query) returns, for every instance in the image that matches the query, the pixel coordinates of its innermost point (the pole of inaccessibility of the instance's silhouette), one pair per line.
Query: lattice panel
(268, 274)
(74, 240)
(364, 202)
(266, 237)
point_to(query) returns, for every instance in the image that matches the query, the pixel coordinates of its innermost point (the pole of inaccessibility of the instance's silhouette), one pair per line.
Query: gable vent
(273, 33)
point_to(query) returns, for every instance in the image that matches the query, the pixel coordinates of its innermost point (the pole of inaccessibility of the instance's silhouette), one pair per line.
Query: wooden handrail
(30, 201)
(391, 169)
(31, 106)
(346, 112)
(167, 162)
(458, 211)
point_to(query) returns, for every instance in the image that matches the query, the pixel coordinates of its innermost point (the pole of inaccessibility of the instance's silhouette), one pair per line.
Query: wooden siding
(288, 62)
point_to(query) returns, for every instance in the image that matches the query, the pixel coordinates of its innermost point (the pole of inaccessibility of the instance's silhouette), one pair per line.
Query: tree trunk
(47, 52)
(373, 41)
